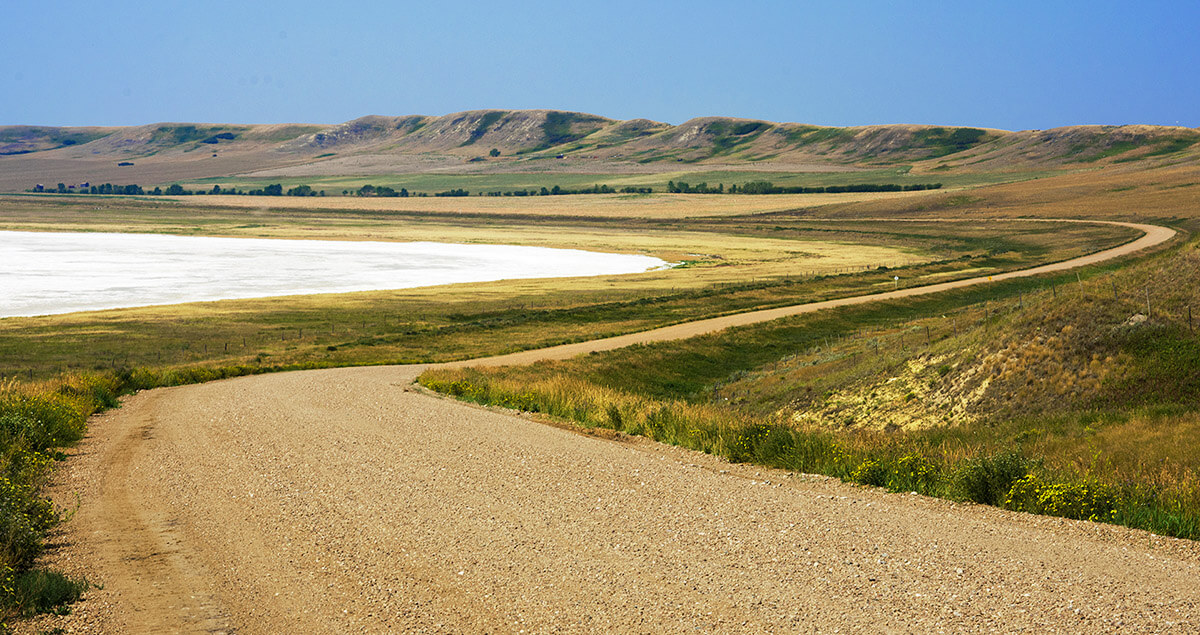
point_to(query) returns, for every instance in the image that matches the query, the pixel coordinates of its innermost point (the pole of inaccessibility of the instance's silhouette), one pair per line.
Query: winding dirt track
(344, 501)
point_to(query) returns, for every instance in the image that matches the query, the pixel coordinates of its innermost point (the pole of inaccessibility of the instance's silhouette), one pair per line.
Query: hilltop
(489, 141)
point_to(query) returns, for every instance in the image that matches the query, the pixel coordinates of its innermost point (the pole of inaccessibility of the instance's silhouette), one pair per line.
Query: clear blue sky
(1012, 65)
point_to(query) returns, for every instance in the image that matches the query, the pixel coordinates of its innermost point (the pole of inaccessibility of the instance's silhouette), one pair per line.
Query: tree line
(368, 190)
(767, 187)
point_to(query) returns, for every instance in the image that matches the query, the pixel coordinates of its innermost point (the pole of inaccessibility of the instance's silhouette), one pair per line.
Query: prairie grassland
(731, 265)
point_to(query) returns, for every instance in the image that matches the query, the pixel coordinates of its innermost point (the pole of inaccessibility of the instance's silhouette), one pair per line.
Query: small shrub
(1087, 500)
(614, 416)
(744, 442)
(988, 479)
(43, 591)
(913, 473)
(870, 472)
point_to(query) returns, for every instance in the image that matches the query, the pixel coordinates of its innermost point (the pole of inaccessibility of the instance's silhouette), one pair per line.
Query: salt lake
(44, 273)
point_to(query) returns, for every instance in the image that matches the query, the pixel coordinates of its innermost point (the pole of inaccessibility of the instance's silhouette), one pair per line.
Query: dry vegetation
(731, 265)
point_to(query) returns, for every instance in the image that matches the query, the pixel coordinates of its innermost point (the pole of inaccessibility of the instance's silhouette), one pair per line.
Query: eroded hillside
(549, 140)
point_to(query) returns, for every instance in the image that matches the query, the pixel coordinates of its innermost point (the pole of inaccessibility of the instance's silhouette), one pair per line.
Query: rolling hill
(552, 141)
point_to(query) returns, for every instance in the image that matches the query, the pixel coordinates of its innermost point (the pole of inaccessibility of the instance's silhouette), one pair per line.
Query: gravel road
(346, 500)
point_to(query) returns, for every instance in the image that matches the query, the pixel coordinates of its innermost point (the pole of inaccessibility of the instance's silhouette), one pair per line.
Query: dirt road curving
(345, 501)
(1152, 236)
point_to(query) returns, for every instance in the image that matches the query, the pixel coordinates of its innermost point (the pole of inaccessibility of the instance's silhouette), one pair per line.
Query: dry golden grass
(1124, 192)
(766, 256)
(665, 206)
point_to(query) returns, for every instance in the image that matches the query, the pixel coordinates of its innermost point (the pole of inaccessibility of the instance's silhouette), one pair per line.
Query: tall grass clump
(35, 421)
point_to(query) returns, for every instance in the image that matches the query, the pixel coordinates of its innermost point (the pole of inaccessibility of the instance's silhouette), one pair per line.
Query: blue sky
(1012, 65)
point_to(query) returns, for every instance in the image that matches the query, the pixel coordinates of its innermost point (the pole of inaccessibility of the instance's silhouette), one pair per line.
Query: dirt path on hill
(346, 501)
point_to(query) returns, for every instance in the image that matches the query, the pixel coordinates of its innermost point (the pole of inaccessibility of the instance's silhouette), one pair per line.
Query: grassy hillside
(549, 141)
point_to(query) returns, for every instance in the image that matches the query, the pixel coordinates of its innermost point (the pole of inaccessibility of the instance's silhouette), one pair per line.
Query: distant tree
(544, 192)
(404, 192)
(62, 188)
(174, 189)
(494, 153)
(275, 189)
(157, 191)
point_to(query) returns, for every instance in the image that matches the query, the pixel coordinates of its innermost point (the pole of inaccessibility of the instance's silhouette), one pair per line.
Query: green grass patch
(43, 591)
(485, 124)
(939, 142)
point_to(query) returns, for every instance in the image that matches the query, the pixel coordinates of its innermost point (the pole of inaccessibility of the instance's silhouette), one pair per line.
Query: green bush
(870, 472)
(913, 473)
(1081, 500)
(43, 591)
(988, 479)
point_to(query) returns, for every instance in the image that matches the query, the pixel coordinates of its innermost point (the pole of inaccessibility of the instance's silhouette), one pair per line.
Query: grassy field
(504, 181)
(730, 265)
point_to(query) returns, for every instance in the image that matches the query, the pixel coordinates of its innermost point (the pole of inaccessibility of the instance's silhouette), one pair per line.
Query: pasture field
(432, 182)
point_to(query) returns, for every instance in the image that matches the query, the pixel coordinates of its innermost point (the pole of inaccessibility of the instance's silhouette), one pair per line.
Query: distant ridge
(527, 139)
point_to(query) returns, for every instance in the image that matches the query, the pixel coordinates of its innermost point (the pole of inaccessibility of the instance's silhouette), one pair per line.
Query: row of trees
(275, 189)
(377, 190)
(767, 187)
(680, 187)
